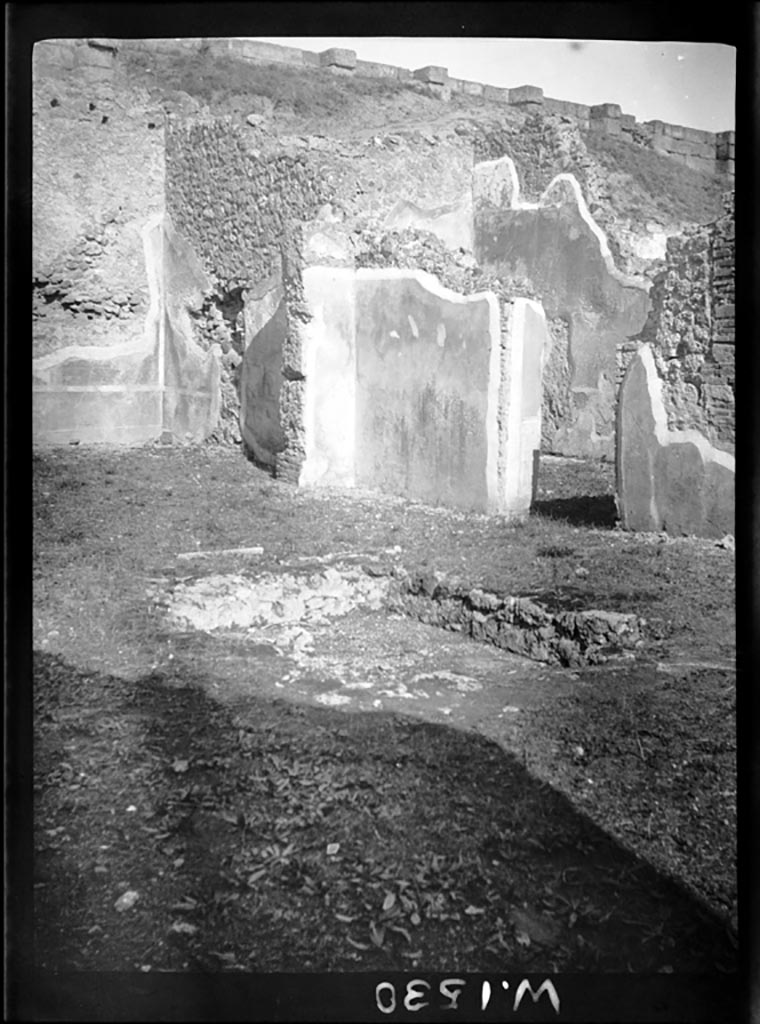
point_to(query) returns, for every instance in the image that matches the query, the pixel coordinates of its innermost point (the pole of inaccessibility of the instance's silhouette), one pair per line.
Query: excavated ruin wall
(239, 208)
(558, 247)
(691, 330)
(368, 179)
(98, 177)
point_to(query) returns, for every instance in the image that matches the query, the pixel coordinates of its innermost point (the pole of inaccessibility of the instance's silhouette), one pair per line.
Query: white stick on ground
(187, 555)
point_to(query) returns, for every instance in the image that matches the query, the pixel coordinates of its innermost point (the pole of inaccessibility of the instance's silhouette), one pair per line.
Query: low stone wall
(672, 480)
(519, 624)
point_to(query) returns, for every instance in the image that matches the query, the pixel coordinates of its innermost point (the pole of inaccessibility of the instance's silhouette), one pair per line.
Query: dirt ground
(389, 796)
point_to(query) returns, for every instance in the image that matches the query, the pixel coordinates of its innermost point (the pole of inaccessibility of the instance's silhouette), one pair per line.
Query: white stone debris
(242, 602)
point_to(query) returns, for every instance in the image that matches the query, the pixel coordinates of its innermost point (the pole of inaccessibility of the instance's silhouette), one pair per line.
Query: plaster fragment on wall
(441, 335)
(413, 326)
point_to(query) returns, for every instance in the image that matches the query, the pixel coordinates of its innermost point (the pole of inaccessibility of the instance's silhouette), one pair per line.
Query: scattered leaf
(253, 878)
(377, 934)
(332, 849)
(356, 945)
(180, 766)
(345, 918)
(474, 911)
(389, 901)
(523, 938)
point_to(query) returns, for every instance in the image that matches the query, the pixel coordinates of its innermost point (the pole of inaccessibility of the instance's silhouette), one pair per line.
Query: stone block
(727, 310)
(374, 69)
(337, 57)
(496, 94)
(724, 352)
(605, 110)
(667, 480)
(433, 74)
(609, 125)
(627, 122)
(470, 88)
(526, 94)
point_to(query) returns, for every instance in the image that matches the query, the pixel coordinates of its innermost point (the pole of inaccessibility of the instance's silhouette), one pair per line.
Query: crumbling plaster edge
(153, 330)
(425, 279)
(664, 436)
(546, 199)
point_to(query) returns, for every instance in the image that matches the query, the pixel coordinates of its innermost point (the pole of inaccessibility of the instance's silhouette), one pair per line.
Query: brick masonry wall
(691, 329)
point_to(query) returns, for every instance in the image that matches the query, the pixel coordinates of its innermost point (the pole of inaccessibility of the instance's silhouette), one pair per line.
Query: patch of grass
(448, 850)
(162, 502)
(217, 81)
(660, 184)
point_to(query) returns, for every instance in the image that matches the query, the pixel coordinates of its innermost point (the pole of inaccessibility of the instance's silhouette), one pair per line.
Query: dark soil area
(260, 834)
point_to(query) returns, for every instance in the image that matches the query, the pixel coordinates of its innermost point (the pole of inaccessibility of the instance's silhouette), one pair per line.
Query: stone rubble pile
(240, 602)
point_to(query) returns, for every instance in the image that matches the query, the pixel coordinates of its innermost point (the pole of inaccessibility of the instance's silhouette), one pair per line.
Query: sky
(691, 84)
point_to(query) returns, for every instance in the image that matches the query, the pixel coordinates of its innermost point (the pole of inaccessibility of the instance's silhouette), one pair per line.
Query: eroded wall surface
(97, 179)
(426, 362)
(115, 354)
(402, 385)
(329, 364)
(261, 378)
(160, 383)
(672, 480)
(563, 254)
(691, 329)
(451, 222)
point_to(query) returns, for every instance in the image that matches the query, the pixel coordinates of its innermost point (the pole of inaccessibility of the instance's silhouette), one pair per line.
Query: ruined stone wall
(691, 330)
(238, 207)
(367, 179)
(98, 176)
(719, 370)
(234, 203)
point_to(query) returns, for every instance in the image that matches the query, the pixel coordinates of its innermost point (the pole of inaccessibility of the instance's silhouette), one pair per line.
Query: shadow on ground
(267, 836)
(584, 510)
